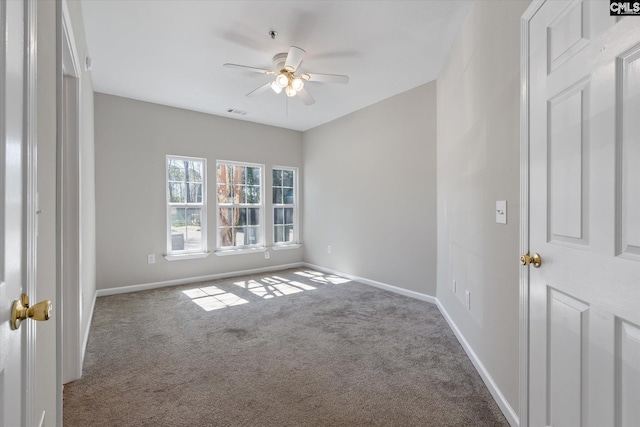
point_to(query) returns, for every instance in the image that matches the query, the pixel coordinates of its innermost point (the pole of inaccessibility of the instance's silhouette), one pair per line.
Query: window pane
(176, 170)
(277, 196)
(287, 178)
(278, 216)
(238, 193)
(288, 196)
(177, 192)
(278, 234)
(226, 237)
(195, 171)
(288, 233)
(240, 216)
(253, 176)
(193, 229)
(241, 233)
(253, 216)
(239, 175)
(225, 216)
(252, 236)
(277, 177)
(224, 193)
(178, 228)
(194, 193)
(224, 174)
(252, 194)
(288, 215)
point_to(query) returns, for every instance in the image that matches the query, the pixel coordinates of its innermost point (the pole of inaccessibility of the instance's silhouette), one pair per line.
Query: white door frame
(524, 210)
(69, 205)
(31, 206)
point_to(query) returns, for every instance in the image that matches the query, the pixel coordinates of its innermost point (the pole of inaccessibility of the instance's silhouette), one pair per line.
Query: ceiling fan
(287, 77)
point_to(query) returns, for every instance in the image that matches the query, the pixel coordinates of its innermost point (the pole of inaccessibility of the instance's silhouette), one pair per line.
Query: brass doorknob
(534, 259)
(21, 311)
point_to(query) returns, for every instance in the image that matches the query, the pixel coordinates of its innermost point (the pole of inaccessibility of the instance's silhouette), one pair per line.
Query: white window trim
(237, 250)
(286, 246)
(183, 255)
(296, 224)
(190, 255)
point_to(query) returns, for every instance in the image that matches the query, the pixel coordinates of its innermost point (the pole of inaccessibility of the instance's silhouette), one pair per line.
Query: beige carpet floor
(290, 348)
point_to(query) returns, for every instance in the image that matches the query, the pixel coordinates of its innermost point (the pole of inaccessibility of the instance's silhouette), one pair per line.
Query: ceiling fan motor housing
(279, 60)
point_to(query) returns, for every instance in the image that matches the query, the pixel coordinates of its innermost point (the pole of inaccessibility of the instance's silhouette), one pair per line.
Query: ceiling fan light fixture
(297, 84)
(275, 87)
(290, 91)
(282, 80)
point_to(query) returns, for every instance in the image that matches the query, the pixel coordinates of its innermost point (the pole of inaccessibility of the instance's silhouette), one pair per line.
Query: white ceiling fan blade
(306, 97)
(294, 58)
(260, 90)
(247, 68)
(328, 78)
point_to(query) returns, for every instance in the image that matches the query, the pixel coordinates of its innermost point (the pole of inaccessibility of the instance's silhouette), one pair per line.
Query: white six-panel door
(11, 209)
(584, 347)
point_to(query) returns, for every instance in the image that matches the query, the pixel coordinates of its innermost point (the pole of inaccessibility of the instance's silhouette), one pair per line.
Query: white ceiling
(171, 52)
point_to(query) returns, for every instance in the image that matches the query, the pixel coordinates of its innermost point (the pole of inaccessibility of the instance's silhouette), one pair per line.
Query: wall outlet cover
(151, 259)
(266, 255)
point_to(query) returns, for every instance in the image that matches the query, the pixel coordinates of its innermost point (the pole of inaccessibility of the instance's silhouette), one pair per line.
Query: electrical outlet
(467, 296)
(266, 255)
(453, 287)
(151, 259)
(329, 249)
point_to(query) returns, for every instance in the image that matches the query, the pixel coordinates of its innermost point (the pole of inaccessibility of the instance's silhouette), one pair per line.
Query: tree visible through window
(284, 205)
(186, 205)
(239, 196)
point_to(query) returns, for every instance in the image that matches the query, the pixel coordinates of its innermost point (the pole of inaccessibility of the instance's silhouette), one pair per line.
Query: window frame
(232, 250)
(295, 243)
(172, 255)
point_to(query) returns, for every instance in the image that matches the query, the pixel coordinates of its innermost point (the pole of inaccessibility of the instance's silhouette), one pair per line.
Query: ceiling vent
(234, 111)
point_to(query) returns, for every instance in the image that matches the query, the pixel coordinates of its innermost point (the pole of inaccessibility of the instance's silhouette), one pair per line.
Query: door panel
(584, 121)
(11, 205)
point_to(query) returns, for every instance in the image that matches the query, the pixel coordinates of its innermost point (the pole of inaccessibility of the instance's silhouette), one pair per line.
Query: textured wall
(370, 192)
(478, 163)
(132, 140)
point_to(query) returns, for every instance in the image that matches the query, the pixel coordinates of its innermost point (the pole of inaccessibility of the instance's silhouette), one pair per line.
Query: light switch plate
(501, 212)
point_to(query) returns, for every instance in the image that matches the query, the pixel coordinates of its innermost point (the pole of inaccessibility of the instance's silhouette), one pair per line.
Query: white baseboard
(85, 339)
(380, 285)
(174, 282)
(502, 402)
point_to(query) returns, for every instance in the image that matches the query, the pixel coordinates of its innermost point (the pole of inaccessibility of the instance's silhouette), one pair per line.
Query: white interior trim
(69, 207)
(502, 402)
(174, 282)
(31, 201)
(85, 339)
(523, 374)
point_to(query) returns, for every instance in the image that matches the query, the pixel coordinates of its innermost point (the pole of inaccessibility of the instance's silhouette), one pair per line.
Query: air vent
(234, 111)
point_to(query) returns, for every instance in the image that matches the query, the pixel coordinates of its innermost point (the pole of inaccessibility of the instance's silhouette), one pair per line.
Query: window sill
(240, 251)
(180, 257)
(286, 247)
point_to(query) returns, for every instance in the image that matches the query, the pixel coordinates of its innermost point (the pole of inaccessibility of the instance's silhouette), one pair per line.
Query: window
(240, 205)
(284, 205)
(186, 205)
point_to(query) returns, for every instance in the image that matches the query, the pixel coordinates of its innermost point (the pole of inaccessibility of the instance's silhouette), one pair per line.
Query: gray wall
(478, 163)
(87, 172)
(370, 192)
(132, 140)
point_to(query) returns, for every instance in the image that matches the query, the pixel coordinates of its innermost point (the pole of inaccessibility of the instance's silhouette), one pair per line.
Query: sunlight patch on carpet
(213, 298)
(271, 287)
